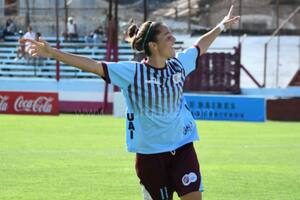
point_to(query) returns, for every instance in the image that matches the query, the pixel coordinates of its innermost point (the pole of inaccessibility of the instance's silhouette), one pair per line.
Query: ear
(152, 46)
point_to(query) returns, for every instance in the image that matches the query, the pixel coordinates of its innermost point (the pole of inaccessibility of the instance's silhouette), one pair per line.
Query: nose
(174, 39)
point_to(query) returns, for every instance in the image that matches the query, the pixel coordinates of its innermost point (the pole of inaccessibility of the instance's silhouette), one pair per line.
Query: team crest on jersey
(177, 68)
(187, 179)
(176, 78)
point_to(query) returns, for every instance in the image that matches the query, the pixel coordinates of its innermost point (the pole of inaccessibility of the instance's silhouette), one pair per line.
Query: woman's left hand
(229, 19)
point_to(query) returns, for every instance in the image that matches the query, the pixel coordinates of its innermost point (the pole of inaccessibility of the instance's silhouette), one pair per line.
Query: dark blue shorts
(163, 174)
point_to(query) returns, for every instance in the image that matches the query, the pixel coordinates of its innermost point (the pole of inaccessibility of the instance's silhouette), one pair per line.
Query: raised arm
(207, 39)
(42, 48)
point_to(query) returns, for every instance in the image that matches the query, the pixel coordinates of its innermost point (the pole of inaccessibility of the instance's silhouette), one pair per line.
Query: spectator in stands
(29, 35)
(71, 30)
(94, 37)
(98, 34)
(160, 127)
(10, 28)
(89, 41)
(23, 49)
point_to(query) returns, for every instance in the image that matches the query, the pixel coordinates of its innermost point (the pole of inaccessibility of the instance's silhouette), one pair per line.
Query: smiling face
(164, 43)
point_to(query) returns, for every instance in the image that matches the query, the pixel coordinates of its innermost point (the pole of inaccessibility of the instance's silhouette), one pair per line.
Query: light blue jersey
(158, 118)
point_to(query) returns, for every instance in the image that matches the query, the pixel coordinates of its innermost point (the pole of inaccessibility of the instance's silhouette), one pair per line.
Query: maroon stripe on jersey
(178, 63)
(173, 87)
(198, 56)
(142, 87)
(168, 90)
(136, 94)
(162, 90)
(105, 70)
(177, 90)
(130, 96)
(180, 93)
(180, 84)
(149, 90)
(156, 90)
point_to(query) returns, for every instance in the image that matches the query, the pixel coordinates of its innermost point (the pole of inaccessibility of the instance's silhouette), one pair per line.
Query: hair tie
(136, 30)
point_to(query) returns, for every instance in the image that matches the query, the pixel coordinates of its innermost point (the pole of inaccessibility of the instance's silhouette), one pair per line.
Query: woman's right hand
(38, 48)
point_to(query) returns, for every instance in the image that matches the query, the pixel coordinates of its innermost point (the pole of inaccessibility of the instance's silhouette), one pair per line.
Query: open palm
(38, 48)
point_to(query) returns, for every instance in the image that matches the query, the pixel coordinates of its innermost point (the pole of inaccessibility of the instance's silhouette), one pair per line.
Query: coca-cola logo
(3, 103)
(40, 105)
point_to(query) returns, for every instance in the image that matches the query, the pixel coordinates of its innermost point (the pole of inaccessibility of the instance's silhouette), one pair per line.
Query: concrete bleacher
(46, 67)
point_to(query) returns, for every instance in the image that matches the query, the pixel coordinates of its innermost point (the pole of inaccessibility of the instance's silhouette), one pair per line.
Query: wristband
(222, 27)
(221, 24)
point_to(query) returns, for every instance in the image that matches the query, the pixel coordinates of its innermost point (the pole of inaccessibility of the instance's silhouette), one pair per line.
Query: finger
(230, 11)
(31, 48)
(33, 51)
(42, 40)
(23, 40)
(34, 55)
(234, 19)
(231, 21)
(29, 51)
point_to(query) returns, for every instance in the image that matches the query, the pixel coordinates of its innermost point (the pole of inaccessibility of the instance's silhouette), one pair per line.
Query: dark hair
(143, 35)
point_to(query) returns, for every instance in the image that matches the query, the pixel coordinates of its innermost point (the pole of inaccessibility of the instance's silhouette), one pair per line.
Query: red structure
(111, 48)
(296, 79)
(216, 72)
(283, 109)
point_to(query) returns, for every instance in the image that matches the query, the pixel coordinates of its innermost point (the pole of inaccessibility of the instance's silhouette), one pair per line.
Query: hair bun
(132, 30)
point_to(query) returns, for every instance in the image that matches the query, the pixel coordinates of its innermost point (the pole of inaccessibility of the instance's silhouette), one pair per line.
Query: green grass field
(84, 157)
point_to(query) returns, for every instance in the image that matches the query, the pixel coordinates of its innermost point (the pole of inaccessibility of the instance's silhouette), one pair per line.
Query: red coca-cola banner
(35, 103)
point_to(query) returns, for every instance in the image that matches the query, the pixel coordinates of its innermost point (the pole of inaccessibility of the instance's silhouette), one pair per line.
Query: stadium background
(247, 75)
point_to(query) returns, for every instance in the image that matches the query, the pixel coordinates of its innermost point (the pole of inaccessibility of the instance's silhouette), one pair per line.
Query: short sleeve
(120, 74)
(188, 58)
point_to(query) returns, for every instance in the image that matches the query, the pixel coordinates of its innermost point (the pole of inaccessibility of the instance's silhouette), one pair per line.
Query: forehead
(163, 30)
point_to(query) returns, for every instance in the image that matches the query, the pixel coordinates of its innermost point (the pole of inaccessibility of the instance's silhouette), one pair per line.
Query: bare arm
(207, 39)
(81, 62)
(42, 48)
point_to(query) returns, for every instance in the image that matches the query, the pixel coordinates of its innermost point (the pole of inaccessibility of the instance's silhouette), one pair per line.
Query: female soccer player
(160, 128)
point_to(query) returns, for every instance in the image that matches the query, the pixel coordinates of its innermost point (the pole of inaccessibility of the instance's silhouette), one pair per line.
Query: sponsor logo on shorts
(187, 179)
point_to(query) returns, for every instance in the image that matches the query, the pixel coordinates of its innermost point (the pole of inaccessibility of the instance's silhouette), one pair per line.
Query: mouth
(173, 48)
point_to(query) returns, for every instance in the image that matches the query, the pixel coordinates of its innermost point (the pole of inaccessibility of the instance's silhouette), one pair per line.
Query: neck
(157, 62)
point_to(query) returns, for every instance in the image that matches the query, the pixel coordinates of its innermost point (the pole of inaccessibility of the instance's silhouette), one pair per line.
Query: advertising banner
(35, 103)
(231, 108)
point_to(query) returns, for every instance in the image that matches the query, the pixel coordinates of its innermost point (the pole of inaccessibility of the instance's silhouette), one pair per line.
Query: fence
(216, 72)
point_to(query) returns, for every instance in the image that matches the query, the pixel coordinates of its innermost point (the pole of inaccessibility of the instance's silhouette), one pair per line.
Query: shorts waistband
(184, 147)
(173, 152)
